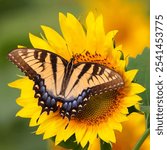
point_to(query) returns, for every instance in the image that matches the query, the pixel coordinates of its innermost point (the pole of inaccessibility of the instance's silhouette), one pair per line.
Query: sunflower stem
(142, 139)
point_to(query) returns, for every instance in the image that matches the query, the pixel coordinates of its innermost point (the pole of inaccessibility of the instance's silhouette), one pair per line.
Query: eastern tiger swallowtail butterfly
(57, 81)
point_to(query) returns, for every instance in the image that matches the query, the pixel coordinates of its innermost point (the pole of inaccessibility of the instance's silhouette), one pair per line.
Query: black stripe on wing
(83, 71)
(53, 59)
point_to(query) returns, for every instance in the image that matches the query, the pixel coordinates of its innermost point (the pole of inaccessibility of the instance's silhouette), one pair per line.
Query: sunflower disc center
(98, 108)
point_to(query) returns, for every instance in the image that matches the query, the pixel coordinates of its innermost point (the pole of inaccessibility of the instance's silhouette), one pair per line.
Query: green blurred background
(17, 19)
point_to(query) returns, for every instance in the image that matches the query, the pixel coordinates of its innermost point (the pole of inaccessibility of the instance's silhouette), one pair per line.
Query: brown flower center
(96, 58)
(99, 108)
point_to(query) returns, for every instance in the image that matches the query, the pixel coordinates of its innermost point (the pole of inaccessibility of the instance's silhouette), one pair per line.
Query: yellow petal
(44, 116)
(40, 43)
(17, 83)
(44, 125)
(124, 110)
(134, 88)
(27, 112)
(56, 126)
(80, 132)
(114, 125)
(26, 86)
(51, 130)
(106, 134)
(121, 67)
(77, 27)
(60, 134)
(34, 117)
(90, 20)
(95, 34)
(26, 101)
(130, 100)
(95, 145)
(108, 44)
(99, 34)
(57, 42)
(89, 134)
(109, 38)
(73, 33)
(118, 117)
(77, 34)
(130, 75)
(91, 39)
(29, 93)
(93, 135)
(70, 130)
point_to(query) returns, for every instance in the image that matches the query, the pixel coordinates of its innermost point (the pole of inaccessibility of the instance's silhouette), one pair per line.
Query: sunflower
(131, 18)
(136, 122)
(102, 115)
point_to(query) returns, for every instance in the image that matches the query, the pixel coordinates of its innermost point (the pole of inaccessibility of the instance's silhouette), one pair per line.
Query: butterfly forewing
(50, 67)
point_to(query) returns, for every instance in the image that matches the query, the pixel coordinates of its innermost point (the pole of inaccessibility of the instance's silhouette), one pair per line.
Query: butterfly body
(63, 85)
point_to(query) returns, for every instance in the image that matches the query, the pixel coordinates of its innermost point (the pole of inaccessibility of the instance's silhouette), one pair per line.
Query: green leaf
(142, 63)
(72, 144)
(145, 109)
(133, 109)
(80, 148)
(105, 146)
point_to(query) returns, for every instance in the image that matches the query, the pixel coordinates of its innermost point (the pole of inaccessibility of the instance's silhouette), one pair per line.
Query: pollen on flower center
(99, 108)
(87, 57)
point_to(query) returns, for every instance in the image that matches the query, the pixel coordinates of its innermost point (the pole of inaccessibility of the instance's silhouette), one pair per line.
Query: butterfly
(64, 85)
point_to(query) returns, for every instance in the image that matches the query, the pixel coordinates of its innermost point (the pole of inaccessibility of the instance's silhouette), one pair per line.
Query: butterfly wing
(92, 76)
(45, 68)
(89, 79)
